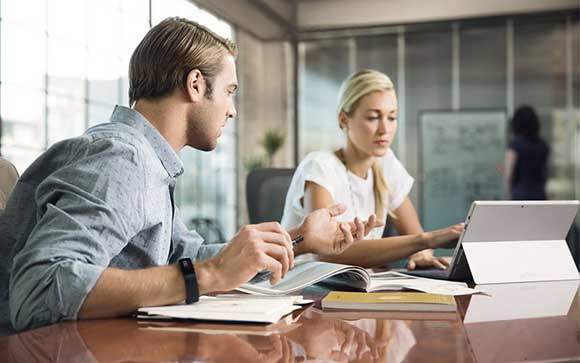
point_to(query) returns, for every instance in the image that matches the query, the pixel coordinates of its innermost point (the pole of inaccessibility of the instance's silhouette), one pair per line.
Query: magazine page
(304, 274)
(391, 280)
(351, 280)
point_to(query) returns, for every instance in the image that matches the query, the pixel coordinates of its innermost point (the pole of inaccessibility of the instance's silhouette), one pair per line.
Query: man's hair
(169, 51)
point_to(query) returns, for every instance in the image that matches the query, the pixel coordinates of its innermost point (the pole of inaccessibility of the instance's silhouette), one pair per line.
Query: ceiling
(283, 19)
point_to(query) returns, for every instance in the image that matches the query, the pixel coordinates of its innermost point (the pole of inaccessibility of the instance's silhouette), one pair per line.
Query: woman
(367, 177)
(526, 162)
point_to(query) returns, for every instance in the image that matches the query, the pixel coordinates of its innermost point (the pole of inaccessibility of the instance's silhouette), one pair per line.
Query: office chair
(209, 229)
(266, 192)
(8, 177)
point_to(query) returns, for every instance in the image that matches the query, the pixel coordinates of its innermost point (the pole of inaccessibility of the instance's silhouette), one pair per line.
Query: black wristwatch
(191, 288)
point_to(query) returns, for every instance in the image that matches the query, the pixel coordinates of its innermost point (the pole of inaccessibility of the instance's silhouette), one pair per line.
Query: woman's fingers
(444, 260)
(437, 264)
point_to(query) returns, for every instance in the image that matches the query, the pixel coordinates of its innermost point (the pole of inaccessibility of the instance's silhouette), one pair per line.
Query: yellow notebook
(394, 301)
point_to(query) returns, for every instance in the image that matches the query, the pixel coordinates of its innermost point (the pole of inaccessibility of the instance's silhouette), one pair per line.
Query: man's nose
(232, 112)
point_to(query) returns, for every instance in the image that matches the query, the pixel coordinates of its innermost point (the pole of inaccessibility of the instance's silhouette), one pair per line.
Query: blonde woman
(368, 178)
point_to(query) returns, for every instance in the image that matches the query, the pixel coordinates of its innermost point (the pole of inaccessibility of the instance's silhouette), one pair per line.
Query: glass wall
(497, 63)
(380, 52)
(483, 67)
(323, 67)
(207, 189)
(427, 88)
(64, 66)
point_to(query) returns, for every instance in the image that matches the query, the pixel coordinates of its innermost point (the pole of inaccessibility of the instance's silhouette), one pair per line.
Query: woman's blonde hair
(355, 87)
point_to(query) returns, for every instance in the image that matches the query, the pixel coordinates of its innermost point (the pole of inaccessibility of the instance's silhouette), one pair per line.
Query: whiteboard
(460, 155)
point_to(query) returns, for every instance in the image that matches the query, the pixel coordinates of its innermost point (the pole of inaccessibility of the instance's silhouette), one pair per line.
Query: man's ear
(195, 85)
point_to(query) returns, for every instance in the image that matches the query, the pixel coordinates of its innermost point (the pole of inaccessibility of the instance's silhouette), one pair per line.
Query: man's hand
(324, 235)
(362, 229)
(253, 249)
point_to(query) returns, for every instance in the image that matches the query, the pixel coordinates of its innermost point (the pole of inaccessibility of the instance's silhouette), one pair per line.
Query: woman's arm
(407, 222)
(370, 253)
(510, 162)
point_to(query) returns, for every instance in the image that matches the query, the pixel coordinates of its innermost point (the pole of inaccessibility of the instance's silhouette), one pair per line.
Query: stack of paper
(238, 308)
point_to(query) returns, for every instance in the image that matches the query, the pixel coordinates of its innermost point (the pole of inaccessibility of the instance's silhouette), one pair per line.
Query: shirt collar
(170, 160)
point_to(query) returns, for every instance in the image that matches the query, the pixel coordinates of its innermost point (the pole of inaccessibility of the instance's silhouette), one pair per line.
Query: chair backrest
(8, 178)
(266, 193)
(209, 229)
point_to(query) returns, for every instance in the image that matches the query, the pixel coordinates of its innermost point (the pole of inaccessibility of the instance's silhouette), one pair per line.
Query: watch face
(186, 265)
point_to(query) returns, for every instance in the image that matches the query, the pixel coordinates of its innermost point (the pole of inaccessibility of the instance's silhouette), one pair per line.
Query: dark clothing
(531, 169)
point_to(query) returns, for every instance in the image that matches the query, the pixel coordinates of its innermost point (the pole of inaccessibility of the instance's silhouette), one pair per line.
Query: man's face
(205, 122)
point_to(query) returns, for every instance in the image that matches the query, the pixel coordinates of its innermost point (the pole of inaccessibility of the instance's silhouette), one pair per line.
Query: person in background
(8, 178)
(526, 159)
(368, 178)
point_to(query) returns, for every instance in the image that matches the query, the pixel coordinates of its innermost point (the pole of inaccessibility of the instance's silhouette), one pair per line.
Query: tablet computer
(514, 233)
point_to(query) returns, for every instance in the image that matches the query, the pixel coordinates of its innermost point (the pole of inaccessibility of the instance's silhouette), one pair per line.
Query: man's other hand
(265, 246)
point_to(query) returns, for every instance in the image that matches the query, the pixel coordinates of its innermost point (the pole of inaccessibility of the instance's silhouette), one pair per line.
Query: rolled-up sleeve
(87, 212)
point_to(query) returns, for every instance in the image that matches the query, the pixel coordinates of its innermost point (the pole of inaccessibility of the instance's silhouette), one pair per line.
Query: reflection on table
(517, 322)
(524, 322)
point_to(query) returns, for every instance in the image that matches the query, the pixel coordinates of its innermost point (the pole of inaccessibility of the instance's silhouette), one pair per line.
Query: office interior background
(64, 66)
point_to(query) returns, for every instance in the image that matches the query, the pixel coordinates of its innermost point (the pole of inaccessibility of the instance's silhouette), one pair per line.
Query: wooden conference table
(519, 322)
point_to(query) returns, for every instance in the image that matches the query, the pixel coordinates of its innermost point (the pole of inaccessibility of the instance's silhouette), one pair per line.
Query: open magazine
(339, 276)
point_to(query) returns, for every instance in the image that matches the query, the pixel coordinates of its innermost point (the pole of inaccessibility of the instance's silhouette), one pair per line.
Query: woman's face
(372, 125)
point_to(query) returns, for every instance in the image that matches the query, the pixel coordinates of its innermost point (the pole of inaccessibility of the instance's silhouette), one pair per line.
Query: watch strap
(191, 287)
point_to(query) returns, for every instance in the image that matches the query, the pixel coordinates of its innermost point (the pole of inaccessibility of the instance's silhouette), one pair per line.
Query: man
(91, 229)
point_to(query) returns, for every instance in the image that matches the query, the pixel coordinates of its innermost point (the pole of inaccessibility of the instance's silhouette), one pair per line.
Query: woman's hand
(444, 238)
(425, 259)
